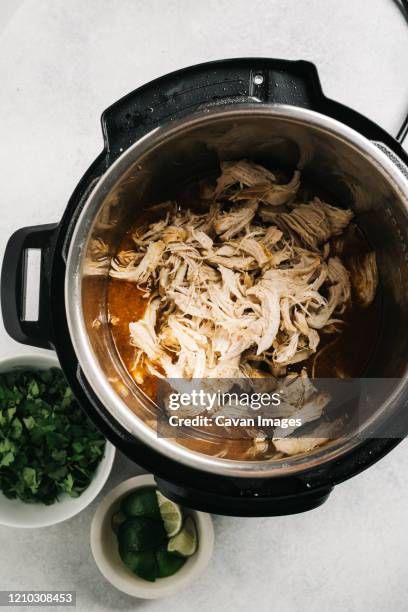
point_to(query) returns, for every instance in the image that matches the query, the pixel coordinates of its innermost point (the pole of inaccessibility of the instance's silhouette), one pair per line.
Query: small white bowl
(104, 547)
(14, 512)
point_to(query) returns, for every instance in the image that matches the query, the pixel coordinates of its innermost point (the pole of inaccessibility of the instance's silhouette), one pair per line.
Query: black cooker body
(250, 80)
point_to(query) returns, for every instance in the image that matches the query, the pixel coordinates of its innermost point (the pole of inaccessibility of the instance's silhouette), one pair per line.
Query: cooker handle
(198, 88)
(14, 285)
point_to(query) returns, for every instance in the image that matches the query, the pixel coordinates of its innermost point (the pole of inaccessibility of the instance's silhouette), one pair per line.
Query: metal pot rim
(73, 303)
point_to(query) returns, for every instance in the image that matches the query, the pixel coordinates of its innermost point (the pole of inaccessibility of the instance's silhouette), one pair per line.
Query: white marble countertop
(61, 63)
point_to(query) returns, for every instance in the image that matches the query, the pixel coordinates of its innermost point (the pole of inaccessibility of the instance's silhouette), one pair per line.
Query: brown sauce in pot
(126, 302)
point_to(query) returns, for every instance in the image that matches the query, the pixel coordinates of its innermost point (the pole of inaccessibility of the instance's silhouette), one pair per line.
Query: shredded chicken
(312, 223)
(98, 258)
(247, 285)
(297, 446)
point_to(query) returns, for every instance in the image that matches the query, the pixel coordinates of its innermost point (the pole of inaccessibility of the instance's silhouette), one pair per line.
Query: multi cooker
(167, 134)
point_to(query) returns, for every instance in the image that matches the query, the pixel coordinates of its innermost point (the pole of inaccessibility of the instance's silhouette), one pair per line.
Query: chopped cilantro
(48, 446)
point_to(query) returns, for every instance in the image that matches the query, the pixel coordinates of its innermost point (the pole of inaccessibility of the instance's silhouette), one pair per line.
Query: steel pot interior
(355, 171)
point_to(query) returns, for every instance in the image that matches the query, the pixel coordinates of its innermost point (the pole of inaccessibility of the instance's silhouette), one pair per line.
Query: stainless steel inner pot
(360, 174)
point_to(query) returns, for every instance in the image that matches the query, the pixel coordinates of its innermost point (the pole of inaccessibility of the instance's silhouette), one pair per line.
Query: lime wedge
(170, 513)
(185, 542)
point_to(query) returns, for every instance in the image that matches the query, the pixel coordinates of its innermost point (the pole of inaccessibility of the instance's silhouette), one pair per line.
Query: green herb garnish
(47, 444)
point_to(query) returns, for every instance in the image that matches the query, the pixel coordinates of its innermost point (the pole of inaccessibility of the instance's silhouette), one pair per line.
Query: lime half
(143, 564)
(117, 520)
(170, 513)
(141, 502)
(168, 563)
(185, 542)
(138, 534)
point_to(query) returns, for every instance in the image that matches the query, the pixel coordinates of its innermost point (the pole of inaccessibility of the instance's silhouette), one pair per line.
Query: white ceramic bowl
(15, 513)
(104, 547)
